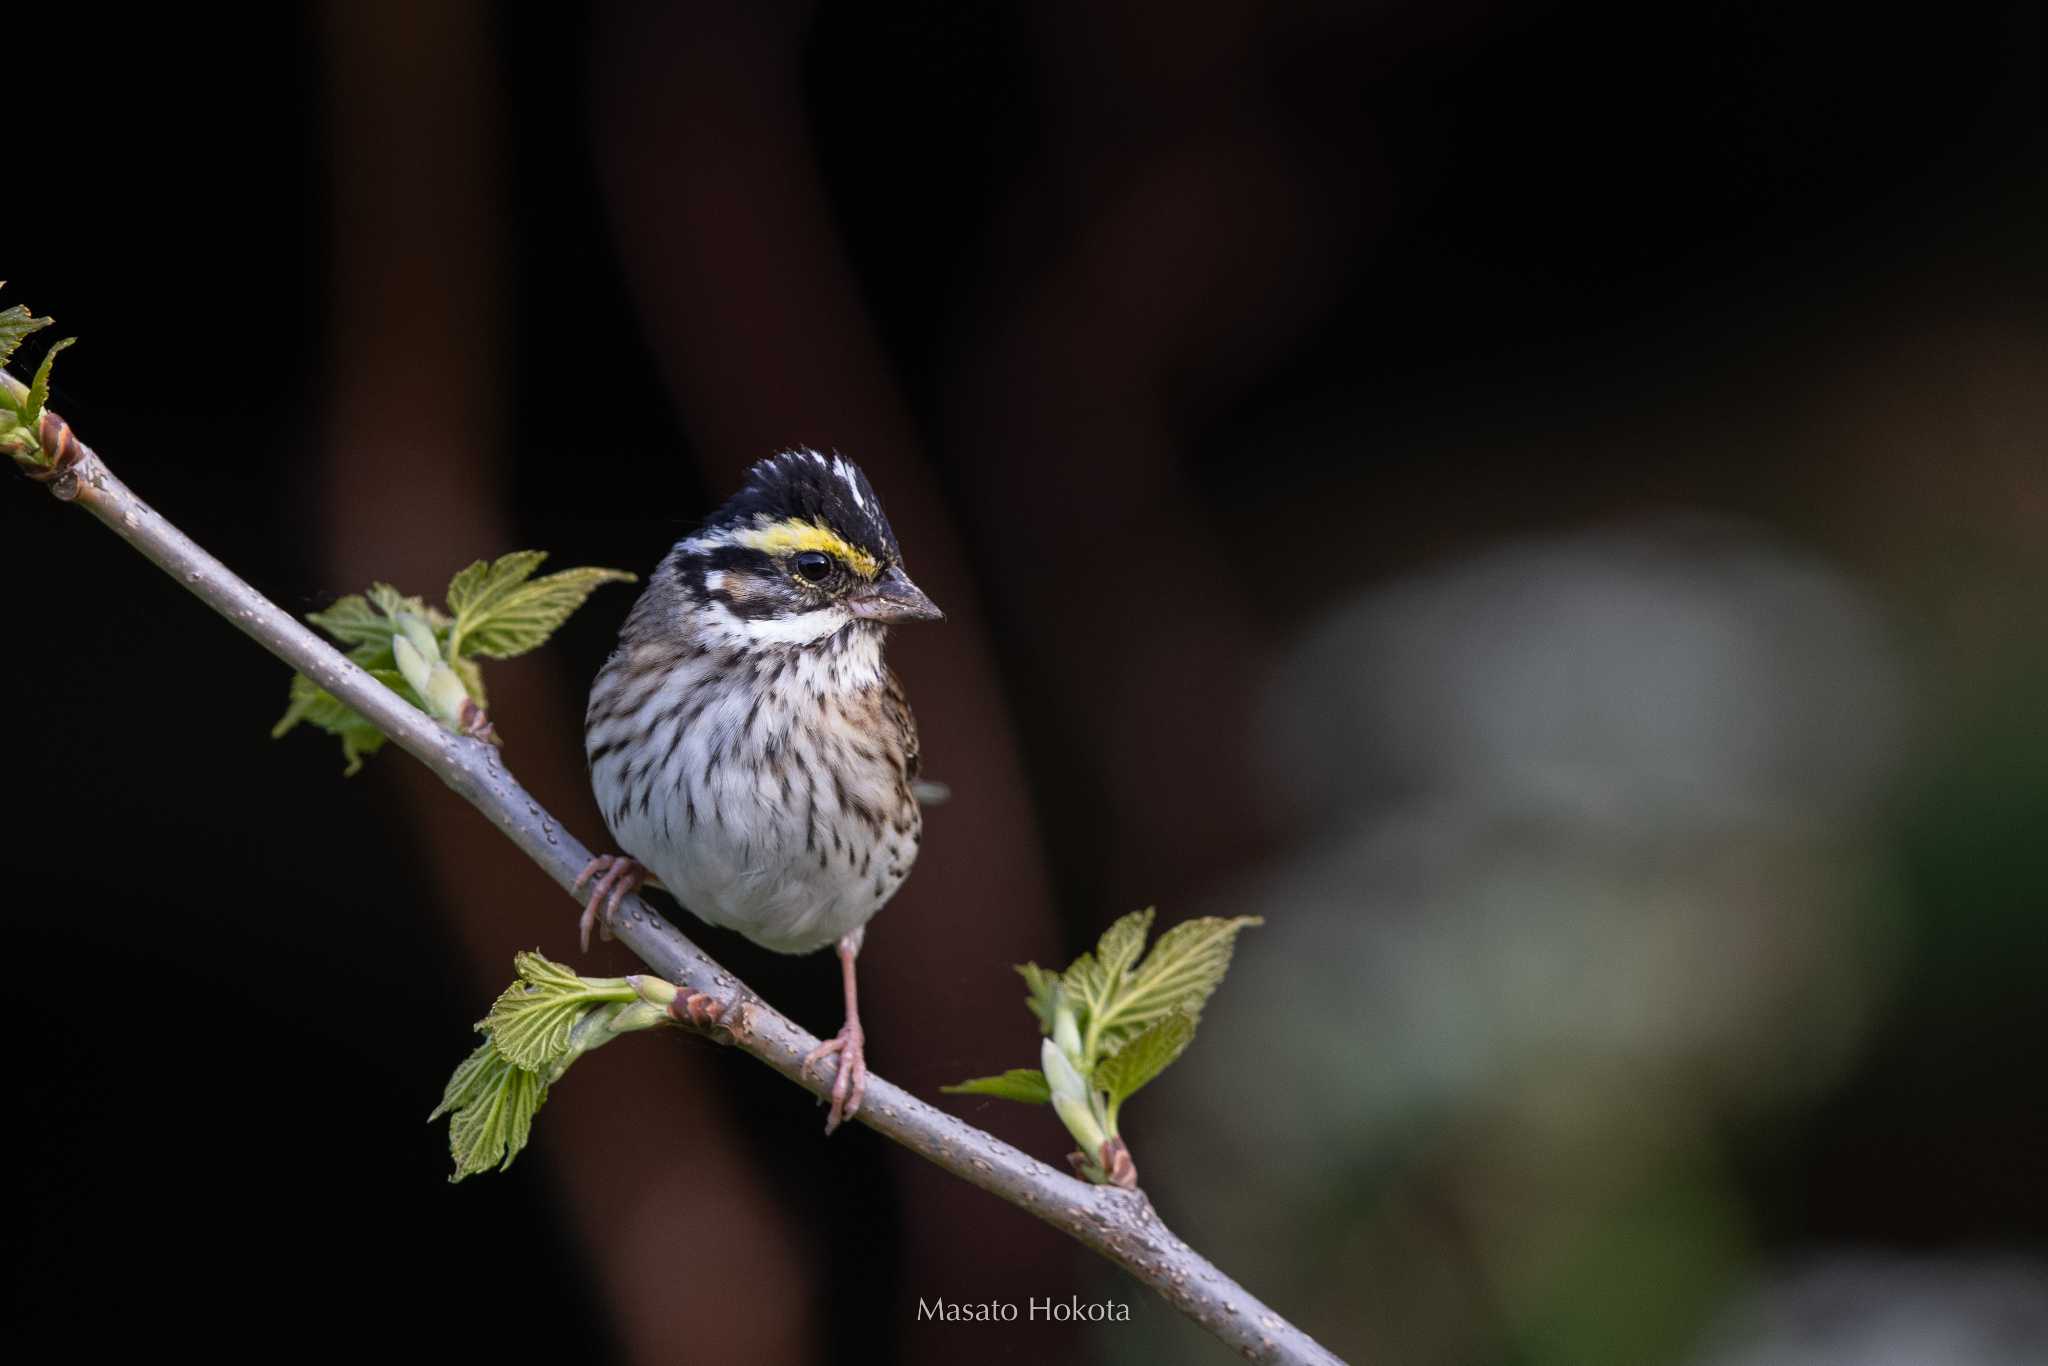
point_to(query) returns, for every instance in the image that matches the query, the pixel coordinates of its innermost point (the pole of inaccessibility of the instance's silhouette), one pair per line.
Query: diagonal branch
(1119, 1224)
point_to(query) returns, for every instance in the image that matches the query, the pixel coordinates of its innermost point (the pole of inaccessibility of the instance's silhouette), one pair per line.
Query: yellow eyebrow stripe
(793, 534)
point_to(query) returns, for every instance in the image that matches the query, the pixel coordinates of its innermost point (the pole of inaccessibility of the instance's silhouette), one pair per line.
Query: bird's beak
(893, 598)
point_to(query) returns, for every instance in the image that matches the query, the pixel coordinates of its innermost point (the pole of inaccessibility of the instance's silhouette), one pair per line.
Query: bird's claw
(617, 875)
(851, 1082)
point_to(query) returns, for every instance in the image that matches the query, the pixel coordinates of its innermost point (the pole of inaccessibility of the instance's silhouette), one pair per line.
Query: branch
(1119, 1224)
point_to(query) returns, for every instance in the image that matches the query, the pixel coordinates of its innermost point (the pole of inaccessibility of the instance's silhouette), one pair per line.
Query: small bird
(748, 747)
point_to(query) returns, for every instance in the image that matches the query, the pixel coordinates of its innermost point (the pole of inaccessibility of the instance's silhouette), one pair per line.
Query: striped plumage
(747, 745)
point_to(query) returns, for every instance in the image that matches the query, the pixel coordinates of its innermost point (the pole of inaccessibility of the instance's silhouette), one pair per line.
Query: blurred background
(1546, 504)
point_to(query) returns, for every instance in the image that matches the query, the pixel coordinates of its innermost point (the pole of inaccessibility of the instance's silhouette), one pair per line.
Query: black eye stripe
(744, 559)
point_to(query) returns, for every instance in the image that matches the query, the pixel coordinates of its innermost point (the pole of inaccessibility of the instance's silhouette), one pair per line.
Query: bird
(748, 747)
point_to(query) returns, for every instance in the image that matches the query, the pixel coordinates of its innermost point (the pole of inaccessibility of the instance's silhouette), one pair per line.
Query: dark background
(1218, 364)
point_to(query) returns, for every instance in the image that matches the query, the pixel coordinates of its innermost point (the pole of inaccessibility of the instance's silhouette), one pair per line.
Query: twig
(1119, 1224)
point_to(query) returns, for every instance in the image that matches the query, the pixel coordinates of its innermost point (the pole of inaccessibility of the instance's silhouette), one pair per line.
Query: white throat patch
(804, 628)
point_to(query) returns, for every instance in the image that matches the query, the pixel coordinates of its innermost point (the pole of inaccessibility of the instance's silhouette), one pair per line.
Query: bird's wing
(896, 715)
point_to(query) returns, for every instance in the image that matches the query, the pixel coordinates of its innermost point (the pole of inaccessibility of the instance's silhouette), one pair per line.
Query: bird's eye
(814, 566)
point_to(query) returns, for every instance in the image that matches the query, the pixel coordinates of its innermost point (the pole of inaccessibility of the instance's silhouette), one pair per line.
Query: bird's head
(800, 553)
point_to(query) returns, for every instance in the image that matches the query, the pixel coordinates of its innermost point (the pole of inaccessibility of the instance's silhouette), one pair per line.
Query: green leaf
(357, 744)
(39, 390)
(366, 623)
(16, 323)
(491, 1103)
(471, 1082)
(317, 707)
(532, 1029)
(394, 680)
(1095, 981)
(309, 702)
(1040, 984)
(481, 586)
(1087, 985)
(1122, 942)
(1113, 1021)
(1019, 1083)
(297, 708)
(532, 1021)
(353, 620)
(1144, 1057)
(547, 1019)
(391, 602)
(497, 619)
(499, 613)
(1184, 967)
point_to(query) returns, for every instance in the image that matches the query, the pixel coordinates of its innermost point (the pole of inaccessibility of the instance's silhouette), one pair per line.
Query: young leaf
(1183, 968)
(531, 1022)
(499, 613)
(1122, 942)
(1040, 984)
(1088, 986)
(16, 323)
(1113, 1021)
(391, 602)
(1019, 1083)
(502, 624)
(367, 624)
(357, 744)
(547, 1019)
(1144, 1057)
(482, 585)
(491, 1103)
(1096, 980)
(354, 621)
(318, 707)
(308, 703)
(39, 390)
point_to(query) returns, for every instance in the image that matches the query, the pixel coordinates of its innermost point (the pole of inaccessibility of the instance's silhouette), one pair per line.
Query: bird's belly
(792, 854)
(781, 902)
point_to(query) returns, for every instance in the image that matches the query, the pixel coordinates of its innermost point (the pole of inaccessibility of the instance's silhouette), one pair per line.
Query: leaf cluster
(495, 610)
(21, 416)
(1115, 1019)
(541, 1024)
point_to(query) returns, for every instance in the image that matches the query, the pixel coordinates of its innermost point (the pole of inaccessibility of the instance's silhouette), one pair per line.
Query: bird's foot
(851, 1083)
(616, 875)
